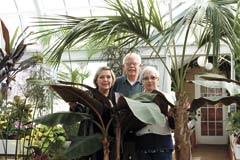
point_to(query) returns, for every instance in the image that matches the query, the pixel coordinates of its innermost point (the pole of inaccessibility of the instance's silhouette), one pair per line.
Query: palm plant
(76, 75)
(211, 23)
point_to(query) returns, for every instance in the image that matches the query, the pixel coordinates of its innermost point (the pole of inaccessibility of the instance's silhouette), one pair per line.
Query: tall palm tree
(136, 23)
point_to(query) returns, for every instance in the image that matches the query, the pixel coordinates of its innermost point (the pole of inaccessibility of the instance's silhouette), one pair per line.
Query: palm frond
(132, 26)
(141, 24)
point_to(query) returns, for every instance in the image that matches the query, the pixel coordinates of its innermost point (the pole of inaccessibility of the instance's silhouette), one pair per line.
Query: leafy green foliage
(211, 23)
(84, 146)
(130, 112)
(147, 112)
(234, 124)
(76, 75)
(66, 118)
(48, 141)
(217, 81)
(11, 54)
(13, 118)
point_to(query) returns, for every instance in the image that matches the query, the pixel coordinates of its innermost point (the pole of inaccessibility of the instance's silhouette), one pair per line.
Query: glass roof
(20, 13)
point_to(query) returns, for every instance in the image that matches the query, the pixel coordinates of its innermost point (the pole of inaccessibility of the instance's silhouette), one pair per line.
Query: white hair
(137, 56)
(150, 69)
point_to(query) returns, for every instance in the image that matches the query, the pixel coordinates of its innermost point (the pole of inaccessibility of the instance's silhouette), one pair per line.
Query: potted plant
(12, 129)
(48, 142)
(14, 116)
(233, 128)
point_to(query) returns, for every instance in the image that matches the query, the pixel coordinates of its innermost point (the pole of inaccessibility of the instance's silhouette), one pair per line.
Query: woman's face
(104, 80)
(150, 81)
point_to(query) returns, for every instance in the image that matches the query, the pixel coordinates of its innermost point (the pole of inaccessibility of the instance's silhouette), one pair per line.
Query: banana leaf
(133, 112)
(93, 91)
(84, 146)
(141, 109)
(73, 94)
(231, 87)
(226, 100)
(148, 113)
(66, 118)
(212, 80)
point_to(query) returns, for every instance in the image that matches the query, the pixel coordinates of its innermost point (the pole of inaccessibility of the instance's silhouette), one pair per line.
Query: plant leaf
(66, 118)
(148, 113)
(226, 100)
(232, 88)
(212, 80)
(142, 109)
(84, 146)
(6, 37)
(73, 94)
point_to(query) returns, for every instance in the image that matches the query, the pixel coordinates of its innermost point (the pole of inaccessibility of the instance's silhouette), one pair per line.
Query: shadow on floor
(210, 152)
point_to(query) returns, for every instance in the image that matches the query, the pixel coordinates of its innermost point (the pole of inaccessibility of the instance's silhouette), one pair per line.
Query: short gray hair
(137, 56)
(150, 69)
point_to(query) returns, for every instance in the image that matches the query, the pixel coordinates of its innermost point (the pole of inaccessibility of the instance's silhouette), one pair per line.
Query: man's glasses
(131, 63)
(149, 78)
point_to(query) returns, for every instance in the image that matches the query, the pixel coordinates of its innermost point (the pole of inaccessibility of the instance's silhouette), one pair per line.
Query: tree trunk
(182, 132)
(118, 141)
(105, 143)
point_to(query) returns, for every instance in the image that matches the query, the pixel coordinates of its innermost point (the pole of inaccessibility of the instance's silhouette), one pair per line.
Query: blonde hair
(135, 55)
(104, 68)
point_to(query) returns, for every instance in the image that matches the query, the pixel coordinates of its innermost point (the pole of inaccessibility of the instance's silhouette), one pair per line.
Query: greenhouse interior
(120, 80)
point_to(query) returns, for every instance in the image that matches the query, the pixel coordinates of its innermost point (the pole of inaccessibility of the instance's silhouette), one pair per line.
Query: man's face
(132, 66)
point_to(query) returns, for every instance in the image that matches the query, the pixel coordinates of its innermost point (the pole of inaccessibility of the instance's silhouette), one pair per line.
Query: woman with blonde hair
(103, 80)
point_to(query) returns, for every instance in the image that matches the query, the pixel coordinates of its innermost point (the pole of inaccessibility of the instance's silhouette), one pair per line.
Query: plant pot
(67, 144)
(236, 148)
(8, 147)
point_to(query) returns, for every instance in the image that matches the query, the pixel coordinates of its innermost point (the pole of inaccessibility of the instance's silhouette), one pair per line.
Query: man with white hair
(127, 85)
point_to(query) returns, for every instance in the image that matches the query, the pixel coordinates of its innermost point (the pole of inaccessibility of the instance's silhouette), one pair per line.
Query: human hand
(171, 112)
(73, 106)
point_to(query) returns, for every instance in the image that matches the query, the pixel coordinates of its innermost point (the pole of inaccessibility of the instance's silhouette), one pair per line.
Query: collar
(137, 81)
